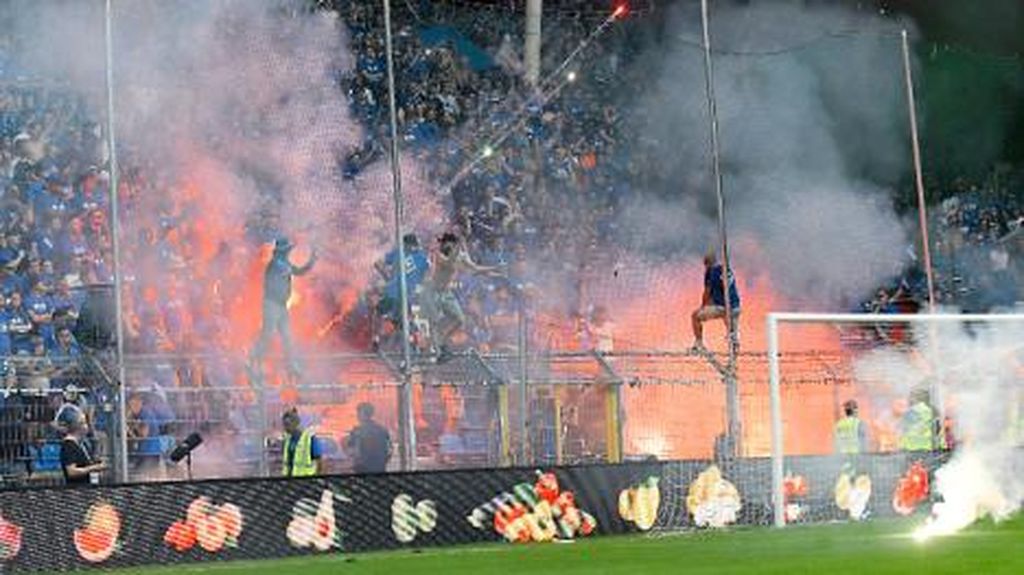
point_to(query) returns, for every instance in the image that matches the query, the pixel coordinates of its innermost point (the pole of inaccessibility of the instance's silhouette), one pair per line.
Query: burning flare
(970, 491)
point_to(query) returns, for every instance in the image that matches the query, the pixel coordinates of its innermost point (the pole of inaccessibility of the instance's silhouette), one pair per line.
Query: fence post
(778, 501)
(264, 432)
(524, 405)
(613, 426)
(506, 454)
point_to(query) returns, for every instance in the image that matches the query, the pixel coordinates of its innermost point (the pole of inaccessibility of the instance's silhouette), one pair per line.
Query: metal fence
(474, 411)
(471, 412)
(35, 390)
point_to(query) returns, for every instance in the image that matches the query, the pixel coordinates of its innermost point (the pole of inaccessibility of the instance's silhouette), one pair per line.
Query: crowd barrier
(56, 529)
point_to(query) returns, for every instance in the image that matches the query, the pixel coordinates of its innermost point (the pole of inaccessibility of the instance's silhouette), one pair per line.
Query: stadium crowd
(535, 176)
(54, 244)
(535, 181)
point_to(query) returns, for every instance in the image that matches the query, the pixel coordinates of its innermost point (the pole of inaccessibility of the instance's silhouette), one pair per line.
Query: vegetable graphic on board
(911, 489)
(313, 523)
(538, 511)
(407, 520)
(794, 487)
(10, 539)
(852, 494)
(211, 527)
(712, 500)
(97, 540)
(639, 503)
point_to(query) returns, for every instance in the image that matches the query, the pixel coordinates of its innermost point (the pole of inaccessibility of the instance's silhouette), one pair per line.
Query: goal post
(775, 347)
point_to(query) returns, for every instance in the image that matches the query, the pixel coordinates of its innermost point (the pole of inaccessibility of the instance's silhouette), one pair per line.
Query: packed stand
(55, 246)
(486, 137)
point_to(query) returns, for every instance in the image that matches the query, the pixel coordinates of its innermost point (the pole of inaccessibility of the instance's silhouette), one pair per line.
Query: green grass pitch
(871, 548)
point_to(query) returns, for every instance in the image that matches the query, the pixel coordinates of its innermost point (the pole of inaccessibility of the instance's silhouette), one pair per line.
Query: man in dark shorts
(712, 304)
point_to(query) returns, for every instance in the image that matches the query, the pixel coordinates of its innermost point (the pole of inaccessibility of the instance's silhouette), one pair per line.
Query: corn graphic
(645, 503)
(639, 504)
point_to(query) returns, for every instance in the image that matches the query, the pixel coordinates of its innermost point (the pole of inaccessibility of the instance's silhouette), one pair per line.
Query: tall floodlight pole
(531, 62)
(406, 420)
(531, 51)
(935, 390)
(731, 388)
(922, 208)
(115, 233)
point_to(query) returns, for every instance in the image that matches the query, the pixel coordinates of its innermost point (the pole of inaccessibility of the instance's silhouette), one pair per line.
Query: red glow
(621, 11)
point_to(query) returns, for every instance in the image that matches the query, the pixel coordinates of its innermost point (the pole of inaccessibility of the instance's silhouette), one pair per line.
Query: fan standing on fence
(277, 288)
(440, 301)
(712, 304)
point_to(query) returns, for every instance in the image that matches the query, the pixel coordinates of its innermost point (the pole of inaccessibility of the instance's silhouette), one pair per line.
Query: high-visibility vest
(847, 435)
(919, 429)
(302, 461)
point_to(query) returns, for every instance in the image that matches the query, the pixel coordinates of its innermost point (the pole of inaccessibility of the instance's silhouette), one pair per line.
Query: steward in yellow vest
(300, 455)
(849, 436)
(919, 428)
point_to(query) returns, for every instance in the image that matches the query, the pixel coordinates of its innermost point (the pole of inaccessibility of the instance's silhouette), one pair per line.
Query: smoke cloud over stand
(231, 126)
(813, 137)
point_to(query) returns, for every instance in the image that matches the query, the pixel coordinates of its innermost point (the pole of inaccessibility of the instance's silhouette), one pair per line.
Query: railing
(473, 411)
(34, 391)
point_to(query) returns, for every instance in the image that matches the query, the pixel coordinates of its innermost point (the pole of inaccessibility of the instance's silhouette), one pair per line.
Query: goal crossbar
(798, 317)
(775, 318)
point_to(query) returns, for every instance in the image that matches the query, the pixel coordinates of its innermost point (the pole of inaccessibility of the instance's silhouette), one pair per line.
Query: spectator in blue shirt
(65, 344)
(44, 239)
(147, 418)
(10, 252)
(417, 263)
(40, 310)
(5, 335)
(65, 305)
(713, 301)
(19, 325)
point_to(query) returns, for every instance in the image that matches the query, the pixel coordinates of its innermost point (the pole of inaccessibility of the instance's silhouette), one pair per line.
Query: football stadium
(512, 286)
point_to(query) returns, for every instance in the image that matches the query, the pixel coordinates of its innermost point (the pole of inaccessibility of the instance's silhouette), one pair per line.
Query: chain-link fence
(38, 394)
(467, 412)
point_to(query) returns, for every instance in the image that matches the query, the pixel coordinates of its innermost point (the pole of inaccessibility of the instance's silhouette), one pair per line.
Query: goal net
(886, 402)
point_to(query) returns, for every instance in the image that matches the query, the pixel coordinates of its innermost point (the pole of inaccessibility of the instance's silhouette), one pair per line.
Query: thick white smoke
(984, 383)
(813, 139)
(976, 370)
(238, 105)
(231, 119)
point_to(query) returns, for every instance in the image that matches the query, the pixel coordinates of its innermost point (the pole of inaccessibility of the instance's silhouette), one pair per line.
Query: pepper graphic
(213, 527)
(97, 540)
(793, 487)
(911, 489)
(10, 539)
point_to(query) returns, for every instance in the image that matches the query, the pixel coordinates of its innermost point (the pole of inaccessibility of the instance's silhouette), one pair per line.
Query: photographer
(78, 465)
